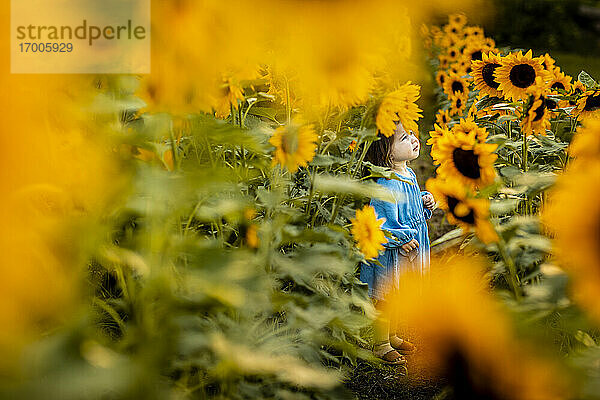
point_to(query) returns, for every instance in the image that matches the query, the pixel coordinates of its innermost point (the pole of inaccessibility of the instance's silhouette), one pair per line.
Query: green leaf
(327, 160)
(505, 118)
(345, 185)
(504, 206)
(263, 112)
(585, 338)
(586, 79)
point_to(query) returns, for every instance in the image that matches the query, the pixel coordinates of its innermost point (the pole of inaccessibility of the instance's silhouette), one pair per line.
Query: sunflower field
(197, 232)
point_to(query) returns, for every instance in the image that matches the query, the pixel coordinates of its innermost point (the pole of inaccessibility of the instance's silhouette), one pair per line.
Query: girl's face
(405, 146)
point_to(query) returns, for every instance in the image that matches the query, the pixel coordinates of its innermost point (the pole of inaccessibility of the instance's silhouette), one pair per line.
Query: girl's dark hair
(380, 152)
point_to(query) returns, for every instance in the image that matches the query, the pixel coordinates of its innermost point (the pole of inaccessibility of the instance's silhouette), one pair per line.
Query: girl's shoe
(388, 354)
(403, 346)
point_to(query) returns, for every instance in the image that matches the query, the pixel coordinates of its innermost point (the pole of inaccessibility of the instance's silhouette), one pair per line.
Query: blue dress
(406, 220)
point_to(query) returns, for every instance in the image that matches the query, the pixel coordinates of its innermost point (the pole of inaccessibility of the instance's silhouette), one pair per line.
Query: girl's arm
(389, 211)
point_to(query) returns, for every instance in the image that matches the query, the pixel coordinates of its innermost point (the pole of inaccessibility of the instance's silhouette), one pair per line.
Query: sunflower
(462, 209)
(473, 32)
(458, 19)
(453, 53)
(470, 343)
(560, 81)
(230, 94)
(547, 62)
(536, 116)
(441, 77)
(437, 132)
(444, 63)
(294, 146)
(352, 146)
(252, 236)
(456, 86)
(442, 118)
(589, 104)
(366, 229)
(458, 103)
(517, 73)
(573, 216)
(465, 158)
(483, 74)
(585, 145)
(399, 105)
(475, 50)
(468, 127)
(453, 30)
(456, 68)
(577, 89)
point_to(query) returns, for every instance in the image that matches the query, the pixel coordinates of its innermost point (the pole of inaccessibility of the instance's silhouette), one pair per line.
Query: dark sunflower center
(289, 143)
(539, 112)
(467, 163)
(477, 55)
(442, 79)
(487, 73)
(468, 219)
(452, 53)
(457, 87)
(522, 75)
(444, 119)
(458, 103)
(558, 85)
(592, 103)
(469, 381)
(551, 104)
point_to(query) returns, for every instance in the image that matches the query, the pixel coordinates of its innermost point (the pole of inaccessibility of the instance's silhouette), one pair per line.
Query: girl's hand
(408, 247)
(429, 201)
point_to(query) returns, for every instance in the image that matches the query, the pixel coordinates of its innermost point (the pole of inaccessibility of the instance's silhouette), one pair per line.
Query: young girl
(406, 220)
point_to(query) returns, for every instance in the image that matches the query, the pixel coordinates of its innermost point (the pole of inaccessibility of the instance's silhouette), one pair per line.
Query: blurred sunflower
(483, 75)
(462, 209)
(453, 53)
(366, 229)
(517, 73)
(458, 19)
(458, 103)
(399, 105)
(474, 32)
(456, 86)
(465, 158)
(229, 94)
(294, 146)
(475, 50)
(469, 336)
(469, 128)
(536, 116)
(441, 77)
(576, 227)
(589, 104)
(442, 118)
(437, 132)
(585, 145)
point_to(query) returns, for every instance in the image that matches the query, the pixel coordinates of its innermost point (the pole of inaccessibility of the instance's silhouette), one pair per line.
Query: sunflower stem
(288, 107)
(339, 200)
(513, 278)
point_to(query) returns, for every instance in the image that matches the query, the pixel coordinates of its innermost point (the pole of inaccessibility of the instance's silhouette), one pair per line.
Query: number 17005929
(46, 47)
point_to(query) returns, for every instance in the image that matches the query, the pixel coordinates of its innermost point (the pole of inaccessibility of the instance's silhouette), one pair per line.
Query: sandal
(403, 346)
(385, 352)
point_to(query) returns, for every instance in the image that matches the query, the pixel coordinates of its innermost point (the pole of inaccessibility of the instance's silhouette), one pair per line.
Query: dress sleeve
(389, 211)
(427, 213)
